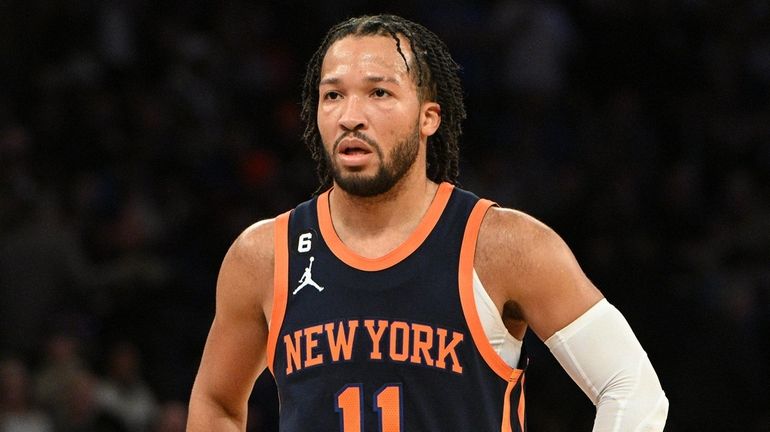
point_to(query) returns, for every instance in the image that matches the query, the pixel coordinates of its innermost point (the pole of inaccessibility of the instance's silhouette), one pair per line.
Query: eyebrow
(372, 79)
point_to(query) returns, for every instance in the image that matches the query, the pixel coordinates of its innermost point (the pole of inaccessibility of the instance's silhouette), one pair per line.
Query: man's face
(369, 114)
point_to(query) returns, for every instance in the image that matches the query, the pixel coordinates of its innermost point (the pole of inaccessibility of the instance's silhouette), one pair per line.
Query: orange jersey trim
(280, 284)
(522, 404)
(468, 301)
(467, 255)
(341, 251)
(506, 425)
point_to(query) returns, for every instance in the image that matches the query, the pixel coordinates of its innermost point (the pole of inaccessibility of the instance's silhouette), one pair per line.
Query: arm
(535, 280)
(235, 350)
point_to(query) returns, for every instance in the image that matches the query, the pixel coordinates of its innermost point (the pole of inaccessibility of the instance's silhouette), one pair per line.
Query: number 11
(387, 402)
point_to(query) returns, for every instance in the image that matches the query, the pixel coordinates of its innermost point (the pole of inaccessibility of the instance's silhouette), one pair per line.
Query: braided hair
(434, 71)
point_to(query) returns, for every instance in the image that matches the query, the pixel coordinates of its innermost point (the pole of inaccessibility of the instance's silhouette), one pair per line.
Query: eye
(380, 93)
(332, 95)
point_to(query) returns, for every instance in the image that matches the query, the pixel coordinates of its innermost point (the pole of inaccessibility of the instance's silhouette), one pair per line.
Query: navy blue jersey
(390, 344)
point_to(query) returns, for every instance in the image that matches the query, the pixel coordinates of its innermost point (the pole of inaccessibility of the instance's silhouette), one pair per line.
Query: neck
(372, 226)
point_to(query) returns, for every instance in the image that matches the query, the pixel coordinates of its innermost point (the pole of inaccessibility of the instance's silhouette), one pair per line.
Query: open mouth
(355, 151)
(353, 147)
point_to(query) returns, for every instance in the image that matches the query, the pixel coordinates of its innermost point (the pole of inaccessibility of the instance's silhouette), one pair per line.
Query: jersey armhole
(280, 284)
(504, 344)
(465, 282)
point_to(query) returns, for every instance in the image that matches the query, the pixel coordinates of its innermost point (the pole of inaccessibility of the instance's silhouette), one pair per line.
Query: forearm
(602, 355)
(634, 402)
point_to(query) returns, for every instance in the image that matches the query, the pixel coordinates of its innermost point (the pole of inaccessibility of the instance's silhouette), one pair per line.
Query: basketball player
(427, 289)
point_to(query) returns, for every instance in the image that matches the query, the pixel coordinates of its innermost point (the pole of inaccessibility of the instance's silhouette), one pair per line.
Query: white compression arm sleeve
(602, 355)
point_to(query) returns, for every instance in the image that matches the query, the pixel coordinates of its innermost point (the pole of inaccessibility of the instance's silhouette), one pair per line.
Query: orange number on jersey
(387, 401)
(348, 404)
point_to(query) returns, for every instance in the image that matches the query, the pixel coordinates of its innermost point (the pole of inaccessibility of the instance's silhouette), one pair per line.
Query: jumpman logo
(307, 279)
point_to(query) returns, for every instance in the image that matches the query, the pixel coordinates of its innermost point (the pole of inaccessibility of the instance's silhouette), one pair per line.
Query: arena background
(138, 138)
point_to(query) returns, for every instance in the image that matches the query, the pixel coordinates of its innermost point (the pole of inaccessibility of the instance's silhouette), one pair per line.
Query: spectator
(18, 412)
(172, 417)
(81, 410)
(123, 392)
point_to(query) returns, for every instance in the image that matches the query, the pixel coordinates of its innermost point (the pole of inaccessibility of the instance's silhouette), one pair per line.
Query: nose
(353, 117)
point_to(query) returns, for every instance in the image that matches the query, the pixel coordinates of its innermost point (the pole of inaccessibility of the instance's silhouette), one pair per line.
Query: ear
(430, 118)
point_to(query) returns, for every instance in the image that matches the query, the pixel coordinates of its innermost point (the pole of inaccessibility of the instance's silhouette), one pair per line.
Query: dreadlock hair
(434, 71)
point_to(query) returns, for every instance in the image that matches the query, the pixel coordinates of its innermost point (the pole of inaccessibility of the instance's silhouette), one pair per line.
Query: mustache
(358, 135)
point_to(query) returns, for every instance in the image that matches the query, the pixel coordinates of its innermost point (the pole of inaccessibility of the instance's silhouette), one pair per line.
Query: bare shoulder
(509, 235)
(254, 246)
(512, 251)
(245, 276)
(527, 267)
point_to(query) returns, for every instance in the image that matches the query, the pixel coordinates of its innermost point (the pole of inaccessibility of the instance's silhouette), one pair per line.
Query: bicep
(232, 359)
(556, 290)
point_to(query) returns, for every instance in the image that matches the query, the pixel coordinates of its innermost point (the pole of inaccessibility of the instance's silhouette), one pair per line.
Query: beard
(401, 159)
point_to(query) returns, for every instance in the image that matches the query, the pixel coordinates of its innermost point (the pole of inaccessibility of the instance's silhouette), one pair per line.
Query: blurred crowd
(138, 138)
